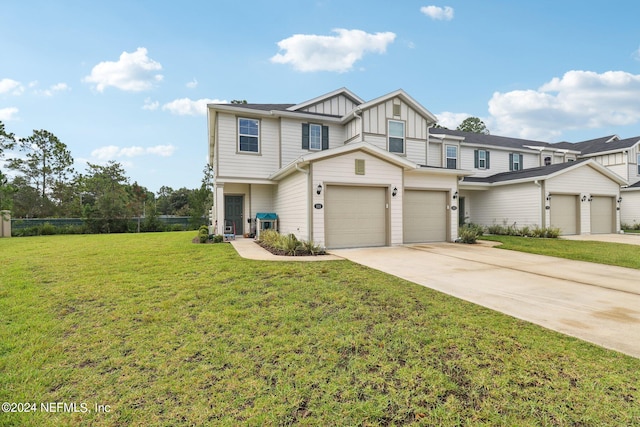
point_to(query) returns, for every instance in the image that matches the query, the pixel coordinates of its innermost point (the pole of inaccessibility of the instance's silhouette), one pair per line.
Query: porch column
(219, 208)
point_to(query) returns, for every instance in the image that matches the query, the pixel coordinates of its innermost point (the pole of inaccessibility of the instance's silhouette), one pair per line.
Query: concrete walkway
(596, 303)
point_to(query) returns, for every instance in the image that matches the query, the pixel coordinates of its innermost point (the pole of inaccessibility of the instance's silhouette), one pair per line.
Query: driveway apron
(596, 303)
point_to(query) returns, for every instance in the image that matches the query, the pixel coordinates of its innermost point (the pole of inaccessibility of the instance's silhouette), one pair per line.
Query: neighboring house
(336, 170)
(345, 172)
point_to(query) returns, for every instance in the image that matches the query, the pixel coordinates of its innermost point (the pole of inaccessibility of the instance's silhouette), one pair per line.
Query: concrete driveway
(596, 303)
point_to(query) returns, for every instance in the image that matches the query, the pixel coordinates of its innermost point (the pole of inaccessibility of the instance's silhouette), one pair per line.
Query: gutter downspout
(543, 204)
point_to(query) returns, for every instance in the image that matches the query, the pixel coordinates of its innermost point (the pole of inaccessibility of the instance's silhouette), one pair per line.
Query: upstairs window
(515, 161)
(481, 159)
(396, 137)
(315, 137)
(249, 135)
(452, 157)
(547, 161)
(638, 159)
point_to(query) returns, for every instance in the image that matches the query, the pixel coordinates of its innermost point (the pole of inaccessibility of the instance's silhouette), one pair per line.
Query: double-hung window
(396, 137)
(315, 137)
(515, 161)
(481, 159)
(638, 159)
(451, 156)
(248, 135)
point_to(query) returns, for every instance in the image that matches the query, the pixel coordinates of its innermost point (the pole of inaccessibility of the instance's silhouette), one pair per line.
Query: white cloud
(150, 105)
(308, 52)
(11, 86)
(450, 120)
(133, 72)
(8, 114)
(59, 87)
(192, 84)
(438, 13)
(636, 55)
(111, 152)
(577, 100)
(189, 107)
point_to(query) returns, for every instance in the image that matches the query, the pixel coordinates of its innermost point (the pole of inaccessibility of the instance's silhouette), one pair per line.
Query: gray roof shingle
(482, 139)
(524, 173)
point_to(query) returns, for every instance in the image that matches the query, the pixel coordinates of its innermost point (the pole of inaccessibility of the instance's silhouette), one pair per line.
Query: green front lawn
(619, 254)
(166, 332)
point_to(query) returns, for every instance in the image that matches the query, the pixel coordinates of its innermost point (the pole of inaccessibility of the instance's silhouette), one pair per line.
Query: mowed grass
(620, 254)
(169, 333)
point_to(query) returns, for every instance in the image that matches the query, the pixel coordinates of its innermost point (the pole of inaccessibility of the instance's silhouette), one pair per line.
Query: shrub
(469, 233)
(288, 244)
(218, 238)
(310, 247)
(496, 229)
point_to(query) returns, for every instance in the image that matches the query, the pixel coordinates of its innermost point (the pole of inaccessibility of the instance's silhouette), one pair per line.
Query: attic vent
(359, 166)
(396, 110)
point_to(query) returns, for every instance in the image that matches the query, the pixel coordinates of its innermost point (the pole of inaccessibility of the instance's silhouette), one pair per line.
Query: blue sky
(129, 80)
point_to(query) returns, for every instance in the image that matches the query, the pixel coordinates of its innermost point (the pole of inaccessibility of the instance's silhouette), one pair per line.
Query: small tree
(473, 124)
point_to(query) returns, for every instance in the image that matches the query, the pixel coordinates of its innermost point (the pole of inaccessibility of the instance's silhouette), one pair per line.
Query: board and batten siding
(335, 106)
(291, 205)
(291, 131)
(341, 171)
(232, 163)
(584, 180)
(375, 119)
(508, 204)
(436, 182)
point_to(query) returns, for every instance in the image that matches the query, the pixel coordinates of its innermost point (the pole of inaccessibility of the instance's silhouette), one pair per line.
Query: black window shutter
(487, 159)
(475, 159)
(521, 161)
(305, 136)
(325, 137)
(510, 161)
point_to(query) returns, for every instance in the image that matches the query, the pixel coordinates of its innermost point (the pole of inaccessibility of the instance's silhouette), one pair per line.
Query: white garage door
(602, 215)
(355, 216)
(564, 213)
(425, 216)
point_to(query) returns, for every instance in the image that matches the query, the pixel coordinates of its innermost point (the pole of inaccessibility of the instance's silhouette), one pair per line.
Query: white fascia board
(342, 91)
(306, 116)
(397, 93)
(444, 171)
(595, 165)
(442, 137)
(233, 180)
(274, 113)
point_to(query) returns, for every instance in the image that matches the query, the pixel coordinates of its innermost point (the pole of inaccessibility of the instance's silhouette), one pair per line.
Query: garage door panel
(602, 215)
(425, 216)
(564, 213)
(355, 216)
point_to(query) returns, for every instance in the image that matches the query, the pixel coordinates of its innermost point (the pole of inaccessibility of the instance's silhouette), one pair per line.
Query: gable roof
(543, 172)
(342, 91)
(492, 140)
(395, 94)
(602, 145)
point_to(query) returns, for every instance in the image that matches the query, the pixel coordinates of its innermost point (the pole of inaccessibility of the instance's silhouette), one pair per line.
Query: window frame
(318, 127)
(516, 159)
(403, 139)
(447, 157)
(248, 135)
(638, 163)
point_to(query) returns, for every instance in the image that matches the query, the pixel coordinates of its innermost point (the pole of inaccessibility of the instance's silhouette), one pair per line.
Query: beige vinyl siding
(335, 106)
(292, 205)
(232, 163)
(291, 131)
(341, 171)
(507, 204)
(435, 155)
(261, 199)
(630, 207)
(414, 180)
(416, 151)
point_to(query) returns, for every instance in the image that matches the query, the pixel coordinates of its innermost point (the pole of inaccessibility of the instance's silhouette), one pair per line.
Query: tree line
(37, 180)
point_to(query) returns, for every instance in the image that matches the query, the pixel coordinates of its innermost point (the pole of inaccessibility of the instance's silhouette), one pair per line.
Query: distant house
(345, 172)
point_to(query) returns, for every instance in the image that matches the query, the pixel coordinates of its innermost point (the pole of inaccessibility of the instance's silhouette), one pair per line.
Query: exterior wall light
(619, 199)
(319, 189)
(584, 198)
(394, 192)
(590, 197)
(455, 195)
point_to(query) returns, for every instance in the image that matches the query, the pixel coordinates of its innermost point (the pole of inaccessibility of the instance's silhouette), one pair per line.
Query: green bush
(469, 233)
(218, 238)
(310, 247)
(289, 244)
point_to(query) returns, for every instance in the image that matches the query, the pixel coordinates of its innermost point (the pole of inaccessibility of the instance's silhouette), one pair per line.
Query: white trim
(342, 91)
(400, 94)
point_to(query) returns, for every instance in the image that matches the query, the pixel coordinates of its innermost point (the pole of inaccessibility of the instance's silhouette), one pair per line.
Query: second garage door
(602, 215)
(564, 213)
(425, 216)
(355, 216)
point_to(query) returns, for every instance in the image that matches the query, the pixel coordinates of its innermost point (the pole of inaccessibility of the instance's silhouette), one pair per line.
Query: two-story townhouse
(621, 156)
(335, 169)
(532, 183)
